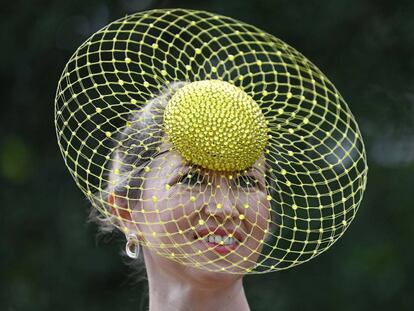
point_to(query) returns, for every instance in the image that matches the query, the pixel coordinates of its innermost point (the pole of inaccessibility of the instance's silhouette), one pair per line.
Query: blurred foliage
(50, 257)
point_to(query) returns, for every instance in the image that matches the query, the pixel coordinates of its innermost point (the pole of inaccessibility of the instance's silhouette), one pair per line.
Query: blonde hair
(129, 158)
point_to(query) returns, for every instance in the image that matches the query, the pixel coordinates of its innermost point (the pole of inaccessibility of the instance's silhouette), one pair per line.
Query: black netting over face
(219, 145)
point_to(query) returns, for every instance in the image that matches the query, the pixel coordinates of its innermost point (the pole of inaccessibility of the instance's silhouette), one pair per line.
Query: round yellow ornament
(216, 125)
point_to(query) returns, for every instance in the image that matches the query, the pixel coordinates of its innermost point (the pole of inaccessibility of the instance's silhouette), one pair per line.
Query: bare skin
(176, 286)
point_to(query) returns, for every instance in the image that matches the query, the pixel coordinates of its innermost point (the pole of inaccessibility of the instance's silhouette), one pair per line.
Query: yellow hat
(219, 145)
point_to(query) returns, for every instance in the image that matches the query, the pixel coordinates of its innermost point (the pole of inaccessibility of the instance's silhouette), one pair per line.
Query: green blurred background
(50, 257)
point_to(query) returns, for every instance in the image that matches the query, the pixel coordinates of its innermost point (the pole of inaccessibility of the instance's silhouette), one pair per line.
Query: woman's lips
(222, 249)
(225, 234)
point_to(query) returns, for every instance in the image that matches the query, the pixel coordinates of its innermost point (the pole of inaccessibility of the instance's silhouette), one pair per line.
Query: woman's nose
(223, 203)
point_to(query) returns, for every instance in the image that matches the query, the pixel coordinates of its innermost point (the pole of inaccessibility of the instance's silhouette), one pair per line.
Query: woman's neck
(173, 292)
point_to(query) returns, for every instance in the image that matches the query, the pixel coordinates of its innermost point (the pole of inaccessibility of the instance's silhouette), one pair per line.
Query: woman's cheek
(258, 212)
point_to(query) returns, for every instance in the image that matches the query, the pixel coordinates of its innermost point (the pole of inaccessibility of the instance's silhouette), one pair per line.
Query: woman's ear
(119, 207)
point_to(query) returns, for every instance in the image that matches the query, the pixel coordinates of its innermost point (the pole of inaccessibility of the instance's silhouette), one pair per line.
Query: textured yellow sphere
(216, 125)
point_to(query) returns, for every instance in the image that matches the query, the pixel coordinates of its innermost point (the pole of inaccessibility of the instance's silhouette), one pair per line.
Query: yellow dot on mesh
(241, 217)
(154, 199)
(98, 110)
(246, 205)
(108, 134)
(192, 198)
(294, 206)
(147, 169)
(201, 222)
(269, 198)
(146, 84)
(219, 205)
(167, 187)
(216, 125)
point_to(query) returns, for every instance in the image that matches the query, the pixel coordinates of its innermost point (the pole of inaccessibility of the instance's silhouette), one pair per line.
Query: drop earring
(132, 246)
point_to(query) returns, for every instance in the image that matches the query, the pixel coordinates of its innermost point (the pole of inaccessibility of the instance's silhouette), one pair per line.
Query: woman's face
(216, 221)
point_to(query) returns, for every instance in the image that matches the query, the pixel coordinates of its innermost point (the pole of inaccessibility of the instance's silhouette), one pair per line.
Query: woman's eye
(246, 181)
(190, 179)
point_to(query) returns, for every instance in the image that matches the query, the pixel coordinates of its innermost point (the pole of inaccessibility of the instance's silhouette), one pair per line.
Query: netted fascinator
(219, 145)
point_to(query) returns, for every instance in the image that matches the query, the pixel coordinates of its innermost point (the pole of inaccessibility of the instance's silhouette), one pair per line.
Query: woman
(254, 164)
(202, 212)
